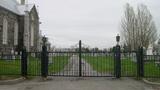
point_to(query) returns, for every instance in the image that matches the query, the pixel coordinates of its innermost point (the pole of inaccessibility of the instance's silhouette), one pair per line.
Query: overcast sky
(95, 22)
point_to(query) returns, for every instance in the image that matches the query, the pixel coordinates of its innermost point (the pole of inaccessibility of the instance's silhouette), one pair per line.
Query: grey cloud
(96, 22)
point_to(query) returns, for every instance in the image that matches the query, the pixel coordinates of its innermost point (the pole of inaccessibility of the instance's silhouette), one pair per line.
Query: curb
(13, 81)
(148, 82)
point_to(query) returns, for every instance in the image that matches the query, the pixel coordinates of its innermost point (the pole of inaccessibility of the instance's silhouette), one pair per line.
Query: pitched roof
(23, 8)
(15, 7)
(9, 5)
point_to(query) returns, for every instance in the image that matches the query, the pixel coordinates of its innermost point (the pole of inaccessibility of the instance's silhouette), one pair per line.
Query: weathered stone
(12, 18)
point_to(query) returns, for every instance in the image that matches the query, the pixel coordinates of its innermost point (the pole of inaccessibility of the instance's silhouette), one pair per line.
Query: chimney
(22, 2)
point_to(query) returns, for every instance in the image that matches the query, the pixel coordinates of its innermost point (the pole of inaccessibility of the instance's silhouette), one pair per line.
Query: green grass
(101, 63)
(150, 69)
(105, 64)
(128, 67)
(59, 63)
(10, 67)
(34, 66)
(13, 67)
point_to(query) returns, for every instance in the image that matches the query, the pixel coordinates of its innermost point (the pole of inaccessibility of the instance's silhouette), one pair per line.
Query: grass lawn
(105, 64)
(128, 67)
(13, 67)
(151, 70)
(10, 67)
(101, 64)
(58, 64)
(34, 66)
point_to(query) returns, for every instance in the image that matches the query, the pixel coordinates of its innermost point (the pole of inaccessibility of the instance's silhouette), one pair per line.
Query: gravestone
(50, 57)
(33, 55)
(12, 54)
(133, 57)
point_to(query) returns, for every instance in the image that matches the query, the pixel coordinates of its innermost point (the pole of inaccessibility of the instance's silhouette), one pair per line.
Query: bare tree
(138, 29)
(128, 27)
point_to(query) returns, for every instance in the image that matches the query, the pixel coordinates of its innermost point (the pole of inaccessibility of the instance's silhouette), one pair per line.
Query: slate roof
(23, 8)
(15, 7)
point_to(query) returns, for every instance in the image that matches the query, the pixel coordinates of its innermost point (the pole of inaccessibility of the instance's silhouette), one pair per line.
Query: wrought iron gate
(81, 63)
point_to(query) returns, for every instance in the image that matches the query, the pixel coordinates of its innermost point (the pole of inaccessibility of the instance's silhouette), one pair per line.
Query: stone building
(19, 26)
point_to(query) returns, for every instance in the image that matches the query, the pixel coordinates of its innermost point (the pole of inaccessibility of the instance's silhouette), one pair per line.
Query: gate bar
(80, 51)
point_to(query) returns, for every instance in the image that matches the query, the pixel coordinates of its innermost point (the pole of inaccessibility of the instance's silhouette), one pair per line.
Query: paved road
(62, 83)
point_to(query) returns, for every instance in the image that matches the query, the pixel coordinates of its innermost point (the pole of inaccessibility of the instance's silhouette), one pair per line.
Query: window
(5, 31)
(32, 35)
(16, 33)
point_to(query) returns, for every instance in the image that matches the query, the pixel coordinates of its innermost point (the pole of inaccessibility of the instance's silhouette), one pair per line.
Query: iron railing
(81, 63)
(10, 64)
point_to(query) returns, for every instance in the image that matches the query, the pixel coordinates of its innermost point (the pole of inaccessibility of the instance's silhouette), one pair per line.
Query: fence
(128, 64)
(10, 64)
(151, 66)
(81, 63)
(34, 63)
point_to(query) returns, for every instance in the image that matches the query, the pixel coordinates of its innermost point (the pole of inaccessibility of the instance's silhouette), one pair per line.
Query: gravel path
(72, 69)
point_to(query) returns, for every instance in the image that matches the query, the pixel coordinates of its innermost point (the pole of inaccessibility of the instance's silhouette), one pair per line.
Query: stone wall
(34, 19)
(11, 19)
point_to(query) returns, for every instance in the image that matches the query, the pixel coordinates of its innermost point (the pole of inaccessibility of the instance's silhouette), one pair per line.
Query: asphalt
(76, 83)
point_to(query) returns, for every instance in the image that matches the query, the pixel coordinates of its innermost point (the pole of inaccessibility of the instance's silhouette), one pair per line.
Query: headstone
(50, 59)
(33, 54)
(122, 56)
(150, 51)
(12, 54)
(133, 57)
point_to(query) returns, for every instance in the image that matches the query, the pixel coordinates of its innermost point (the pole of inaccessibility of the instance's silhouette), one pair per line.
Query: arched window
(32, 30)
(16, 33)
(5, 31)
(32, 35)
